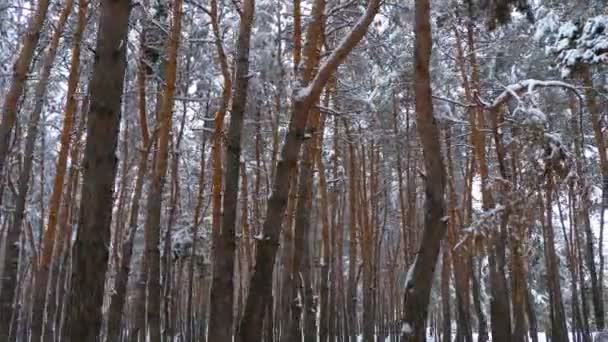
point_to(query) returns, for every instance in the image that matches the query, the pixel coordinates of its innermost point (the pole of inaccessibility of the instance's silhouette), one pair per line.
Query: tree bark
(222, 288)
(48, 246)
(301, 271)
(154, 202)
(445, 297)
(418, 287)
(118, 298)
(559, 332)
(596, 281)
(354, 226)
(93, 237)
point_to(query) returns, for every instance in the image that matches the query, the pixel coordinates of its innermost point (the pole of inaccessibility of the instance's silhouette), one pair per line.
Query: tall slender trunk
(559, 332)
(118, 297)
(41, 279)
(445, 297)
(11, 258)
(302, 254)
(287, 295)
(351, 293)
(222, 288)
(418, 286)
(459, 260)
(326, 258)
(64, 237)
(90, 255)
(190, 328)
(12, 99)
(597, 286)
(167, 261)
(154, 201)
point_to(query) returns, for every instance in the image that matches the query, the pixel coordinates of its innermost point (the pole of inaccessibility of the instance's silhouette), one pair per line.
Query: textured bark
(301, 270)
(224, 240)
(118, 298)
(11, 258)
(418, 288)
(93, 238)
(287, 260)
(154, 200)
(48, 244)
(260, 287)
(301, 296)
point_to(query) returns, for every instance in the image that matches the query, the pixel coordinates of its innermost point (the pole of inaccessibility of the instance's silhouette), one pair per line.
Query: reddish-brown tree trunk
(48, 245)
(154, 202)
(419, 282)
(11, 101)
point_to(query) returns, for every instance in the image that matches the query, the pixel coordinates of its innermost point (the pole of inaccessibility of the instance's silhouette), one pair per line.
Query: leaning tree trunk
(90, 254)
(48, 245)
(418, 287)
(260, 287)
(11, 101)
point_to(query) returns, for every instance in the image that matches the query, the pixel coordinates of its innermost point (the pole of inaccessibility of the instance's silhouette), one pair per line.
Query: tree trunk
(93, 237)
(419, 283)
(596, 282)
(154, 202)
(17, 87)
(301, 270)
(445, 297)
(118, 298)
(351, 292)
(324, 321)
(222, 288)
(41, 279)
(559, 332)
(260, 287)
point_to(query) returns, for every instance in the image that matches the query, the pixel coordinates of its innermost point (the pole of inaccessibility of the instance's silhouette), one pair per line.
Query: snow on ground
(542, 337)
